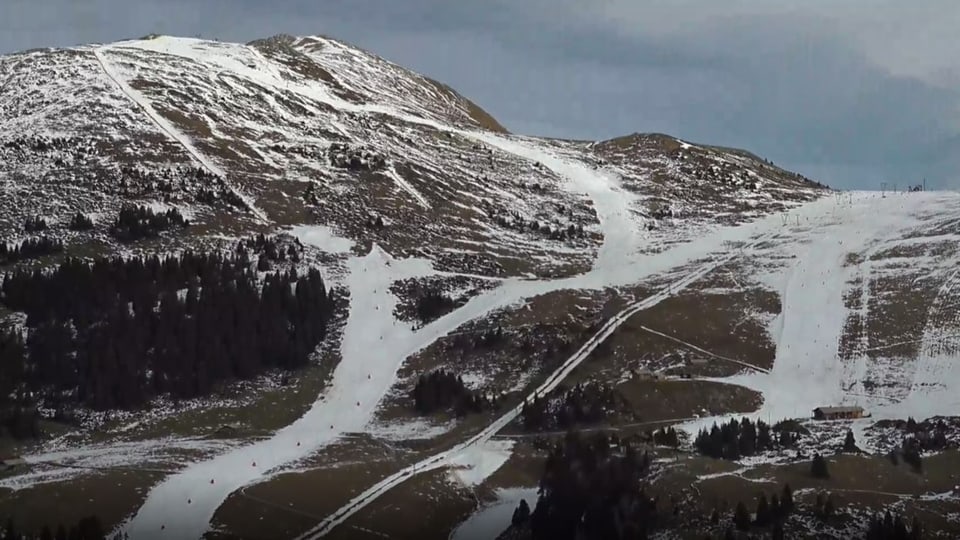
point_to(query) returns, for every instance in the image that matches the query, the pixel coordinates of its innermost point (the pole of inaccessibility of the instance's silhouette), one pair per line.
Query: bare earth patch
(667, 400)
(111, 496)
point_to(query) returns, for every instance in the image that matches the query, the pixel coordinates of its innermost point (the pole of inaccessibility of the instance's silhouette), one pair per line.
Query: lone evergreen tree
(786, 499)
(776, 509)
(829, 509)
(521, 514)
(763, 511)
(741, 517)
(849, 443)
(80, 222)
(912, 456)
(916, 530)
(900, 528)
(10, 531)
(818, 468)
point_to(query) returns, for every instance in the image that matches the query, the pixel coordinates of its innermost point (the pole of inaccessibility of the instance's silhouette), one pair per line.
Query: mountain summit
(291, 130)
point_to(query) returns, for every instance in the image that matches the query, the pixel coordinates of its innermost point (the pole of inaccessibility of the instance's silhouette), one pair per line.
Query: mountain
(286, 131)
(433, 303)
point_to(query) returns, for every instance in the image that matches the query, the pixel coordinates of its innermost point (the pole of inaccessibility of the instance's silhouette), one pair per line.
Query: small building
(698, 360)
(838, 413)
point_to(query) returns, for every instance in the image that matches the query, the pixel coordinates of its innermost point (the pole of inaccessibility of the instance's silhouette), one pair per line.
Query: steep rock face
(291, 130)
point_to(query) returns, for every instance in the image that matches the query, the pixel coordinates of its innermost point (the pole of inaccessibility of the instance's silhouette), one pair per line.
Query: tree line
(889, 527)
(35, 224)
(587, 491)
(115, 332)
(270, 250)
(432, 305)
(770, 513)
(739, 438)
(88, 528)
(19, 417)
(30, 248)
(81, 222)
(138, 222)
(441, 390)
(594, 487)
(584, 404)
(133, 222)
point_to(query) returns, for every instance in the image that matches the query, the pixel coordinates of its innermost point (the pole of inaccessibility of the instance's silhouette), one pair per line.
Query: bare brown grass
(665, 400)
(427, 506)
(723, 324)
(110, 496)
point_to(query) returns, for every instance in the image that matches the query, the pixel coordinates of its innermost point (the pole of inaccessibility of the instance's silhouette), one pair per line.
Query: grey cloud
(836, 90)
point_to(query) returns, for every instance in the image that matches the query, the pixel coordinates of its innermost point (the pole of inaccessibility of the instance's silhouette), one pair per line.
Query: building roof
(830, 410)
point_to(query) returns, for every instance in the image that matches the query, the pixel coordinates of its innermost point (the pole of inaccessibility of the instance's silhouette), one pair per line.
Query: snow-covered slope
(390, 170)
(290, 130)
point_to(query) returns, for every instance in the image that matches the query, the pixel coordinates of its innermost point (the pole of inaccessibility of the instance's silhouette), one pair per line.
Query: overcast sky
(852, 92)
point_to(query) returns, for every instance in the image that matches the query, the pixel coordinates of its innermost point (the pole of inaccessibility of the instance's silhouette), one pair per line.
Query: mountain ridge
(283, 116)
(691, 282)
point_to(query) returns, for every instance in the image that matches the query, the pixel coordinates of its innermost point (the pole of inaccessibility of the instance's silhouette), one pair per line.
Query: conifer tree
(10, 531)
(786, 499)
(828, 507)
(741, 517)
(849, 444)
(818, 467)
(763, 511)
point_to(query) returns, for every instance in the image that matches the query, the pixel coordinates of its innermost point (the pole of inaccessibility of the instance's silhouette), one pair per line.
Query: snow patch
(410, 430)
(323, 238)
(475, 464)
(491, 520)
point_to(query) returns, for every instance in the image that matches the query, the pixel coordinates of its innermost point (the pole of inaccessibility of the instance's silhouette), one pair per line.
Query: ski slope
(183, 504)
(612, 202)
(457, 453)
(807, 332)
(807, 372)
(375, 345)
(369, 365)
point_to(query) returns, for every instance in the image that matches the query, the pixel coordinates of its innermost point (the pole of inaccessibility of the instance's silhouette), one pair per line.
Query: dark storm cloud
(852, 96)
